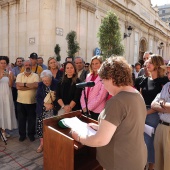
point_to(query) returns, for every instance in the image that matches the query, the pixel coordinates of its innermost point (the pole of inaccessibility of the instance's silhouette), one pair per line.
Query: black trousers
(26, 116)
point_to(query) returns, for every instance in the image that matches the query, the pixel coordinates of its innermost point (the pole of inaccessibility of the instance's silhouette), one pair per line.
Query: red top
(93, 78)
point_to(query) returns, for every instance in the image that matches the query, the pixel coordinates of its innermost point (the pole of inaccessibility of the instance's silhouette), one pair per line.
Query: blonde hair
(51, 58)
(97, 57)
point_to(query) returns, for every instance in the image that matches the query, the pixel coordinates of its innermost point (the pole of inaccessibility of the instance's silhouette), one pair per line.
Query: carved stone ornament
(87, 5)
(32, 40)
(5, 2)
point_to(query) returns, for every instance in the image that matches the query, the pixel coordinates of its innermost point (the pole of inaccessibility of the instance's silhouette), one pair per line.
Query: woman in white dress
(7, 112)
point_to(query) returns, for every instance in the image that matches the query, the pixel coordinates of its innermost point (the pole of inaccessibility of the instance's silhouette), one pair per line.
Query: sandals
(40, 149)
(4, 137)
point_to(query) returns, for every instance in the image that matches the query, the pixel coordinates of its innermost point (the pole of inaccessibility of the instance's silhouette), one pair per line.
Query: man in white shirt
(27, 83)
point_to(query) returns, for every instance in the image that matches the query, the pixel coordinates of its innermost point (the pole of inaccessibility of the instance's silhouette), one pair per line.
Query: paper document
(80, 127)
(149, 130)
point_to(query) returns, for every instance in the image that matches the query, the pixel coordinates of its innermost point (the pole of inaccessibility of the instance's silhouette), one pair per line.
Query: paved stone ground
(20, 155)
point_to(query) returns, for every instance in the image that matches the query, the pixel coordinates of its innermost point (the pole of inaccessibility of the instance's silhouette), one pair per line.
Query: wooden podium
(62, 152)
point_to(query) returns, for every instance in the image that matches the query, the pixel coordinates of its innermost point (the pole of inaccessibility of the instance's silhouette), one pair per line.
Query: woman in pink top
(96, 96)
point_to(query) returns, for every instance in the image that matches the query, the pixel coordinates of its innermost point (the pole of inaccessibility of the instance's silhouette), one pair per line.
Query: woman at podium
(119, 138)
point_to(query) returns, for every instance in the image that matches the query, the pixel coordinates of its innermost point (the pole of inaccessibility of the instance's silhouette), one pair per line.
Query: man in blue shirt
(40, 63)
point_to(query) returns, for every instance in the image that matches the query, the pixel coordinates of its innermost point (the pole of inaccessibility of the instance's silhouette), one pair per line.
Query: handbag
(50, 97)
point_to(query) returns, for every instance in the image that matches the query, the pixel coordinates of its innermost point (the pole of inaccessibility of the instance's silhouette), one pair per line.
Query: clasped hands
(4, 74)
(67, 108)
(48, 106)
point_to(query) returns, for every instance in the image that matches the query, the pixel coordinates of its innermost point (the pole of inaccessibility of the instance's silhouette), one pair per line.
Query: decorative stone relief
(86, 5)
(130, 1)
(5, 2)
(32, 40)
(46, 4)
(59, 31)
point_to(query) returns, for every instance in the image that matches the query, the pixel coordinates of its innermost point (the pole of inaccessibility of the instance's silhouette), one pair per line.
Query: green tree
(57, 50)
(73, 45)
(110, 36)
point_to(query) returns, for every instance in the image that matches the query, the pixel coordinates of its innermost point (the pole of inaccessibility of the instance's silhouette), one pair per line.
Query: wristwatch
(25, 84)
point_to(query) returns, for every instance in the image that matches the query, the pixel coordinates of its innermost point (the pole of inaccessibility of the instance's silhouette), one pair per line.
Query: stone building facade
(28, 26)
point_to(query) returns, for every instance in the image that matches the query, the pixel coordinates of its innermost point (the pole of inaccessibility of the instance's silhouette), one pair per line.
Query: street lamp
(161, 45)
(129, 32)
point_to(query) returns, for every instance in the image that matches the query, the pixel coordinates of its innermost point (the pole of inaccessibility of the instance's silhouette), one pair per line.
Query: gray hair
(46, 73)
(27, 61)
(79, 58)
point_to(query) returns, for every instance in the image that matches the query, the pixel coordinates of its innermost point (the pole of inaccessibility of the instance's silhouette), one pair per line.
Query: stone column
(22, 29)
(47, 28)
(5, 29)
(12, 33)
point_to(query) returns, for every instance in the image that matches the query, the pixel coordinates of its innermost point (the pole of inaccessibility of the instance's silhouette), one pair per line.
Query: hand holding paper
(149, 130)
(78, 126)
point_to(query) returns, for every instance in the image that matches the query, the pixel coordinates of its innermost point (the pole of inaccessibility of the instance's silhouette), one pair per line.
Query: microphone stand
(85, 99)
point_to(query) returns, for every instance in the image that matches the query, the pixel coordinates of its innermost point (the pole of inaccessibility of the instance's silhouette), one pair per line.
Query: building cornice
(6, 2)
(87, 5)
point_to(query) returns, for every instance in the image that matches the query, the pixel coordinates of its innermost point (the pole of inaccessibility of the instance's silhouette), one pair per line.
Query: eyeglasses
(167, 73)
(86, 66)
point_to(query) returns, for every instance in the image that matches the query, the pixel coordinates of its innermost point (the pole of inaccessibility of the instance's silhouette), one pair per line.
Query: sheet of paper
(80, 127)
(149, 130)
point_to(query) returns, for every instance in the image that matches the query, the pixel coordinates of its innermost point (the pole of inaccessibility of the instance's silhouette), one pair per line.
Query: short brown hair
(117, 69)
(158, 61)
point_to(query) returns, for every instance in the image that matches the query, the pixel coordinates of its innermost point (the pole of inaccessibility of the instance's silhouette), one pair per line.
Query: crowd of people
(123, 100)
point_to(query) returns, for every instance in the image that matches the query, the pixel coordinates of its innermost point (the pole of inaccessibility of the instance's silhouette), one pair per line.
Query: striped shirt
(165, 95)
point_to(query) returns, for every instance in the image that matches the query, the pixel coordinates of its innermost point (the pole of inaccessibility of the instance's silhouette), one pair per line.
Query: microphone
(85, 84)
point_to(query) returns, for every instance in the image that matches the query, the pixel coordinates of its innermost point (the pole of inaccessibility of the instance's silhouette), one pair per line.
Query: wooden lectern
(62, 152)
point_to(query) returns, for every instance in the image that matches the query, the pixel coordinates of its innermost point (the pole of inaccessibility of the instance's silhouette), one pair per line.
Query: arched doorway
(142, 49)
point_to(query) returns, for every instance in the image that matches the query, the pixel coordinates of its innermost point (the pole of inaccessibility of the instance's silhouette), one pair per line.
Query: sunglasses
(86, 66)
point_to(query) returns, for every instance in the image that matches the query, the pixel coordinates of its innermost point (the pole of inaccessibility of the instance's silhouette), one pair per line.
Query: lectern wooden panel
(61, 152)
